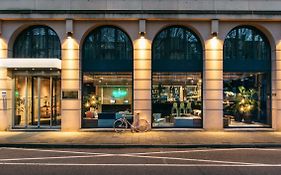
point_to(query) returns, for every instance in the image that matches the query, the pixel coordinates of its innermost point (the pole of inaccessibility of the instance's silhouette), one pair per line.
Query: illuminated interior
(177, 99)
(106, 94)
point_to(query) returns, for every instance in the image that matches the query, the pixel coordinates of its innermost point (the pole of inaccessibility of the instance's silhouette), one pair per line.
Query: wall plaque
(69, 94)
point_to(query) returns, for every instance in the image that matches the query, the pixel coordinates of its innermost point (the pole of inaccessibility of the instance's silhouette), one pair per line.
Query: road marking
(44, 158)
(141, 165)
(190, 151)
(188, 159)
(56, 151)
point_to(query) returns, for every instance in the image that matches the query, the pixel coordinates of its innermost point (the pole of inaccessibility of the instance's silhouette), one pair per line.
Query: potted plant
(20, 109)
(245, 103)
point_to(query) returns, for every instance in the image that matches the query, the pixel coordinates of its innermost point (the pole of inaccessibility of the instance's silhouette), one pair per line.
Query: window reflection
(37, 42)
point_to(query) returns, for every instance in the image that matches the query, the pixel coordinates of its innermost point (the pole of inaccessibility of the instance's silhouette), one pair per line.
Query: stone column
(276, 89)
(142, 78)
(5, 88)
(213, 85)
(70, 81)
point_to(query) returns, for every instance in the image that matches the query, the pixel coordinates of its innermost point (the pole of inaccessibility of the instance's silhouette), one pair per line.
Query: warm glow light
(142, 43)
(241, 108)
(3, 48)
(214, 42)
(87, 105)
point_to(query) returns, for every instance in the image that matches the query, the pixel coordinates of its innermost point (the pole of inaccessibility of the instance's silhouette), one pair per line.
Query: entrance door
(37, 101)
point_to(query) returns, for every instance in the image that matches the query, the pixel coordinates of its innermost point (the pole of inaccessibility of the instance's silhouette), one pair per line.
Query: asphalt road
(134, 161)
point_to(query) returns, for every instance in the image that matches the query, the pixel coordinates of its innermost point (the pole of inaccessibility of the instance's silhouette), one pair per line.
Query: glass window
(177, 78)
(247, 83)
(174, 47)
(107, 65)
(37, 42)
(177, 99)
(105, 48)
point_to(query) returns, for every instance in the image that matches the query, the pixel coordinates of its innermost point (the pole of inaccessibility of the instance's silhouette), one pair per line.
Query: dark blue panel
(246, 66)
(246, 49)
(37, 42)
(107, 49)
(177, 49)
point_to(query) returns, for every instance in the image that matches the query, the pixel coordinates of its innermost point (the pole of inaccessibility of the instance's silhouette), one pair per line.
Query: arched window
(37, 42)
(107, 48)
(248, 46)
(107, 65)
(177, 66)
(174, 47)
(247, 78)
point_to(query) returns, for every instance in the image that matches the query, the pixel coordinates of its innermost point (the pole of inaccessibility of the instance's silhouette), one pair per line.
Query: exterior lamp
(142, 28)
(69, 35)
(214, 28)
(214, 34)
(69, 28)
(142, 34)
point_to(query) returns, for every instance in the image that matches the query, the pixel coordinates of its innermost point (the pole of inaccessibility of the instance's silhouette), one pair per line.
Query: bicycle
(140, 125)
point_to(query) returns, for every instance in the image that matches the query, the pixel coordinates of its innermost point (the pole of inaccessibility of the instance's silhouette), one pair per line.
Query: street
(231, 161)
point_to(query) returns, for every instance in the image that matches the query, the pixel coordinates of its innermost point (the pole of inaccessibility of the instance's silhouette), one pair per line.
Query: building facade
(75, 64)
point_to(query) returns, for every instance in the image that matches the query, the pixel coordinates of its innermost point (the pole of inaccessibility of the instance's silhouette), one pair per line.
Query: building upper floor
(135, 9)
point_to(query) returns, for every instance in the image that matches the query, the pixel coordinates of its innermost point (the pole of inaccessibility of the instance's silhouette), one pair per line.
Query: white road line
(44, 158)
(190, 151)
(141, 165)
(189, 159)
(55, 151)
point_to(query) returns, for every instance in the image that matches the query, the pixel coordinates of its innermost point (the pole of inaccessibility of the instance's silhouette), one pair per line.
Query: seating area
(104, 119)
(181, 115)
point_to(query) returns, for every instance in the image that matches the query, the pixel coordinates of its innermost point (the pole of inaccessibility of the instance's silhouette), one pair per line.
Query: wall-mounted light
(214, 28)
(214, 34)
(142, 28)
(69, 28)
(69, 35)
(142, 34)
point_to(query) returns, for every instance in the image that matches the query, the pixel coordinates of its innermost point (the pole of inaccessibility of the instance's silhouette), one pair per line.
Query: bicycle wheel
(120, 125)
(143, 125)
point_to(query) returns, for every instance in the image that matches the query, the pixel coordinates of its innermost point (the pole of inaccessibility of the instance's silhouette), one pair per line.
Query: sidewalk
(150, 139)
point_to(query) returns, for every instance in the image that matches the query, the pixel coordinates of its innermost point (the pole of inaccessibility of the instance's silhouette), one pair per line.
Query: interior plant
(92, 103)
(245, 103)
(20, 108)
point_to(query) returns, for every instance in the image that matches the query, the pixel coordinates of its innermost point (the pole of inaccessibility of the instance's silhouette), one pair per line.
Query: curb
(95, 146)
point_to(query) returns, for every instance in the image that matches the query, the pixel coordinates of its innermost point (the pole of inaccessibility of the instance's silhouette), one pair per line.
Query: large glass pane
(20, 88)
(177, 49)
(107, 49)
(177, 99)
(56, 102)
(37, 42)
(45, 103)
(106, 96)
(34, 101)
(247, 99)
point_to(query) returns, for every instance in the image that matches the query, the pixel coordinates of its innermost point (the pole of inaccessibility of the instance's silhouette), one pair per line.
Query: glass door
(37, 101)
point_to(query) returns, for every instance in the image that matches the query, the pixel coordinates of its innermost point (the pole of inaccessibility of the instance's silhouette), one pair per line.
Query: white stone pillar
(142, 78)
(5, 88)
(213, 85)
(70, 81)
